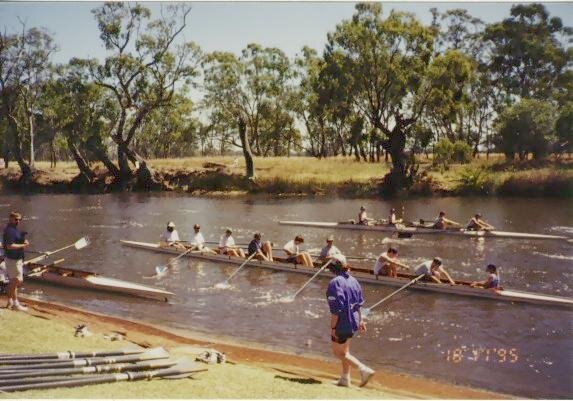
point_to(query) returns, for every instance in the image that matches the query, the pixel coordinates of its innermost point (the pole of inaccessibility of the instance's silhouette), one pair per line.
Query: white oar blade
(160, 270)
(82, 243)
(223, 286)
(365, 312)
(287, 299)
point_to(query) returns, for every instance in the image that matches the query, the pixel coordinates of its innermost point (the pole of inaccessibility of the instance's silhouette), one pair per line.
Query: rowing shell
(409, 230)
(92, 281)
(367, 276)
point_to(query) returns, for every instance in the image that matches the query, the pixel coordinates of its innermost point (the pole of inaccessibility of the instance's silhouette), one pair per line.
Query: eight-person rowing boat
(421, 228)
(461, 287)
(81, 279)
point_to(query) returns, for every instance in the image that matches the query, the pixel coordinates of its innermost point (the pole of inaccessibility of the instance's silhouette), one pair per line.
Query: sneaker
(365, 375)
(342, 382)
(19, 307)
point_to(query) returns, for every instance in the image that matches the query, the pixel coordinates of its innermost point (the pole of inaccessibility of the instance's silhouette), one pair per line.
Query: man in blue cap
(344, 296)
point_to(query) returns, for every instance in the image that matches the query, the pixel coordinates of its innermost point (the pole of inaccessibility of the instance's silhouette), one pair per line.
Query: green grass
(23, 333)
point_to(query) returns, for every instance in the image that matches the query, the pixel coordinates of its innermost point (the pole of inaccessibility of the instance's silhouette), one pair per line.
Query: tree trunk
(243, 135)
(125, 172)
(96, 147)
(85, 170)
(31, 124)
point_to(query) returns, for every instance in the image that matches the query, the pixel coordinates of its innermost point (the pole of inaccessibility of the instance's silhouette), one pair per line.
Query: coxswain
(262, 250)
(14, 242)
(492, 280)
(227, 245)
(170, 238)
(294, 255)
(329, 250)
(344, 296)
(198, 241)
(387, 264)
(433, 269)
(476, 223)
(441, 223)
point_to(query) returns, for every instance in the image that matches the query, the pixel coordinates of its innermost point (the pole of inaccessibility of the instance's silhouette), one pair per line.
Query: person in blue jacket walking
(344, 296)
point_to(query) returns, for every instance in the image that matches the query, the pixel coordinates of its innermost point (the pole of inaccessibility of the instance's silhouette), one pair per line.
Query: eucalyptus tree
(528, 57)
(24, 62)
(244, 92)
(387, 61)
(145, 67)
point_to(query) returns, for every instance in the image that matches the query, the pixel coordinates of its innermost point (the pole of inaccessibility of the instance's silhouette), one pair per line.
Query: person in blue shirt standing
(344, 296)
(14, 243)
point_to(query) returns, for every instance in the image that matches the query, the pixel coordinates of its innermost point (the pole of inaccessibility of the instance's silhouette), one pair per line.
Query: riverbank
(305, 176)
(253, 372)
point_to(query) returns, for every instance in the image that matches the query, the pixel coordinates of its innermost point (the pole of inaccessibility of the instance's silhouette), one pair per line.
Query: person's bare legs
(307, 259)
(342, 352)
(268, 250)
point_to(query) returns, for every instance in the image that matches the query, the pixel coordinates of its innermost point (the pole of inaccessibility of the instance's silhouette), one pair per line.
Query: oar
(225, 284)
(160, 270)
(366, 311)
(43, 269)
(79, 244)
(45, 375)
(292, 297)
(184, 368)
(349, 257)
(71, 354)
(155, 353)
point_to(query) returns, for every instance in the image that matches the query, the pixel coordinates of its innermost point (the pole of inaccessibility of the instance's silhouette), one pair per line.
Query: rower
(198, 241)
(363, 219)
(294, 255)
(433, 269)
(262, 251)
(476, 223)
(227, 245)
(492, 280)
(387, 264)
(441, 223)
(170, 238)
(392, 219)
(329, 250)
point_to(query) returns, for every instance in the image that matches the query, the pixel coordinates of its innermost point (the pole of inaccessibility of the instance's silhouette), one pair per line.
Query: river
(519, 349)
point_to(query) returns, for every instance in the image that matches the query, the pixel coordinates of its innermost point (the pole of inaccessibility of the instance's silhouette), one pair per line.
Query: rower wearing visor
(170, 238)
(329, 250)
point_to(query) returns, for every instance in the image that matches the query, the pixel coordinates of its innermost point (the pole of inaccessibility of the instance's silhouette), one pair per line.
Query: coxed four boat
(81, 279)
(367, 276)
(420, 229)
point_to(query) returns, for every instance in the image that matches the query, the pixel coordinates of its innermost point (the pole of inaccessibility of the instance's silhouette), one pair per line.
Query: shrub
(476, 180)
(462, 152)
(443, 153)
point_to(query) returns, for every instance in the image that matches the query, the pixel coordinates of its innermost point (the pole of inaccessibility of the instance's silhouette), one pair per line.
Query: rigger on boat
(461, 287)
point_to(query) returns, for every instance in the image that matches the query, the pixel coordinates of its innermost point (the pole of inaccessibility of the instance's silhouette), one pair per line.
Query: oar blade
(82, 243)
(365, 312)
(223, 285)
(160, 270)
(287, 299)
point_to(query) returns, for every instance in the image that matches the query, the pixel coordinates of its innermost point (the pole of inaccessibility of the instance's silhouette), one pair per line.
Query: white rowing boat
(91, 281)
(367, 276)
(419, 229)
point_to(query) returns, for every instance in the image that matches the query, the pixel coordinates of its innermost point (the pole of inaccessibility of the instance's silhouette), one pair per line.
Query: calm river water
(514, 348)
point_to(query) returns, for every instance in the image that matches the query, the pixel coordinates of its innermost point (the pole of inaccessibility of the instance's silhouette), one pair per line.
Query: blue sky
(231, 26)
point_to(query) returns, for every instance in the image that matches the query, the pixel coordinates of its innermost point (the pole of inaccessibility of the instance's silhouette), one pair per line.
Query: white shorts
(15, 268)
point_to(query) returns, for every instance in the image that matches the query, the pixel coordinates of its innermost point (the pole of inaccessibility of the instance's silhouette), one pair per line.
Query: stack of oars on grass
(72, 369)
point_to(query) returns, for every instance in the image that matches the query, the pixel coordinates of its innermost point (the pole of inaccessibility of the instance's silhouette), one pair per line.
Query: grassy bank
(340, 176)
(253, 373)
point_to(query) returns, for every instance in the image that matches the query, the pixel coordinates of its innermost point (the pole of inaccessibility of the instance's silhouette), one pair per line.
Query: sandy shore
(295, 370)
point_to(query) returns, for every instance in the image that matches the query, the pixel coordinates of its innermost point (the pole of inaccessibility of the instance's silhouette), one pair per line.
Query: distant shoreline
(223, 177)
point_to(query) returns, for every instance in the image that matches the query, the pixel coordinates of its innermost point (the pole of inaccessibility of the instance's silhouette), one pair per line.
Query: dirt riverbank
(253, 373)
